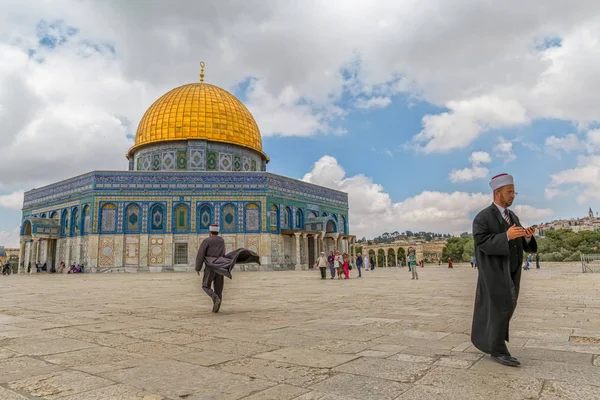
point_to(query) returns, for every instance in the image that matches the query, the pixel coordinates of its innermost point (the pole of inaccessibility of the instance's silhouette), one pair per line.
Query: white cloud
(504, 149)
(10, 239)
(529, 215)
(13, 200)
(551, 193)
(466, 120)
(480, 157)
(372, 210)
(476, 171)
(568, 143)
(373, 102)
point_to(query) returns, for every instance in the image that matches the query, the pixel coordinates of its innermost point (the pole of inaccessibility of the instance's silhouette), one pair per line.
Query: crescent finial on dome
(202, 71)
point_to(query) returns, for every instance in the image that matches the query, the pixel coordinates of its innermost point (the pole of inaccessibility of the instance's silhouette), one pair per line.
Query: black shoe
(216, 305)
(507, 360)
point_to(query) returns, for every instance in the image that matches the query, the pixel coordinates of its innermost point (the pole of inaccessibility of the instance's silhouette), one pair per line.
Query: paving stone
(309, 358)
(581, 374)
(144, 341)
(176, 379)
(279, 392)
(6, 394)
(35, 347)
(233, 346)
(205, 357)
(386, 369)
(92, 356)
(276, 371)
(455, 384)
(564, 391)
(115, 392)
(376, 353)
(17, 367)
(58, 384)
(360, 387)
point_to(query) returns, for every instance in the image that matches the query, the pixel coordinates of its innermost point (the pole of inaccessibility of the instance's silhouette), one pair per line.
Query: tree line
(555, 245)
(388, 237)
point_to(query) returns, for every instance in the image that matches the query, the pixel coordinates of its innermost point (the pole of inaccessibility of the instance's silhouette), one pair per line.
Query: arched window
(330, 227)
(27, 228)
(75, 222)
(157, 218)
(299, 219)
(132, 218)
(252, 218)
(64, 223)
(228, 217)
(287, 218)
(274, 218)
(54, 215)
(86, 219)
(204, 217)
(43, 215)
(342, 224)
(312, 215)
(181, 218)
(108, 222)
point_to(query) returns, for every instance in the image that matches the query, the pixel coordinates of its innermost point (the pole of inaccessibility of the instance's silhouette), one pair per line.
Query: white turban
(214, 228)
(501, 180)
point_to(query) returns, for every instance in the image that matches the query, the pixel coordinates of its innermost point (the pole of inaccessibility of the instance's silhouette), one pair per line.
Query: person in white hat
(213, 246)
(500, 240)
(322, 264)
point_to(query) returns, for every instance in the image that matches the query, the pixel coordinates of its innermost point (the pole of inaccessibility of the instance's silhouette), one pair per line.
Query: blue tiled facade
(103, 199)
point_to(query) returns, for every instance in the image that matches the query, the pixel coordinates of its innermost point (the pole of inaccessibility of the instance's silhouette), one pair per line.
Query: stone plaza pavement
(290, 335)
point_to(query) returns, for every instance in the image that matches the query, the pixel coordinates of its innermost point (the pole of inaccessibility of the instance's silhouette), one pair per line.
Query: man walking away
(213, 246)
(359, 264)
(499, 244)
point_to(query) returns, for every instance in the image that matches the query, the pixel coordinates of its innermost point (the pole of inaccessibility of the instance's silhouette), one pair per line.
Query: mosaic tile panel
(156, 162)
(120, 218)
(106, 252)
(132, 250)
(252, 218)
(109, 218)
(145, 218)
(85, 250)
(197, 159)
(253, 165)
(246, 164)
(229, 222)
(168, 161)
(230, 244)
(147, 162)
(237, 163)
(253, 243)
(211, 161)
(225, 162)
(181, 159)
(156, 249)
(133, 218)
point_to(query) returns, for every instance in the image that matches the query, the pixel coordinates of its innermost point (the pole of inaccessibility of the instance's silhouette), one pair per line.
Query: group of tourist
(340, 264)
(73, 269)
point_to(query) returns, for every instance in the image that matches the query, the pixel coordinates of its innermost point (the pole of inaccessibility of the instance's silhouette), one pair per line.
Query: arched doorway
(391, 258)
(380, 258)
(402, 256)
(372, 258)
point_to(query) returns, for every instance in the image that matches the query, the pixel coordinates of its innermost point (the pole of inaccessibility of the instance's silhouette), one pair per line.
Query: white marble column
(22, 257)
(317, 251)
(33, 255)
(298, 266)
(306, 257)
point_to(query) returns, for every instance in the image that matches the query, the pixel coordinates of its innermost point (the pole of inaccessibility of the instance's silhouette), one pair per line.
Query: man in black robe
(219, 265)
(499, 244)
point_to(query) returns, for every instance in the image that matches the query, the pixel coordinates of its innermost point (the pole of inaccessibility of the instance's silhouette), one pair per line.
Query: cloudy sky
(409, 106)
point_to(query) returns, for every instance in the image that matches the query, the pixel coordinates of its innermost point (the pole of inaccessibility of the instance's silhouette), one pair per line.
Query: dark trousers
(323, 272)
(211, 278)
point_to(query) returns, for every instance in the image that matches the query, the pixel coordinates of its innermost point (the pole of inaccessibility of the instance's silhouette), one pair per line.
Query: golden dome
(198, 111)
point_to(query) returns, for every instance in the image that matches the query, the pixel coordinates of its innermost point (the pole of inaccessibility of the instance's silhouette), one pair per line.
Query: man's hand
(516, 232)
(529, 232)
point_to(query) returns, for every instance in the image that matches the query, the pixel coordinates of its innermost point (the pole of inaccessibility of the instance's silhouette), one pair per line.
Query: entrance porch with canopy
(39, 237)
